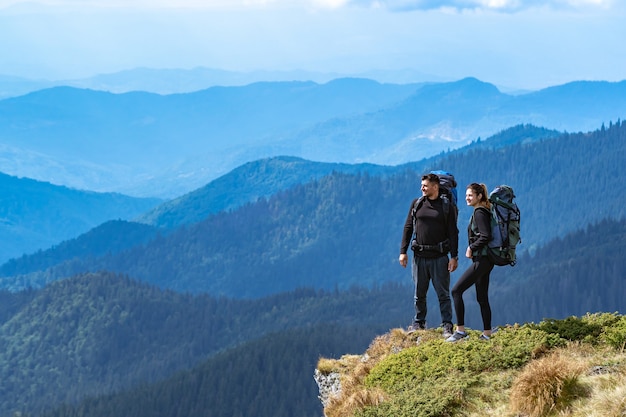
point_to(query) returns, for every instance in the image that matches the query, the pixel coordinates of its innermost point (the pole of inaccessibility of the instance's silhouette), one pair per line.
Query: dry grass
(392, 342)
(356, 399)
(354, 370)
(490, 397)
(548, 384)
(609, 390)
(354, 395)
(346, 362)
(610, 403)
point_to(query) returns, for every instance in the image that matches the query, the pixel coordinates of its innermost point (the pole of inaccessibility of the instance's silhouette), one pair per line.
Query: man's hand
(404, 259)
(452, 264)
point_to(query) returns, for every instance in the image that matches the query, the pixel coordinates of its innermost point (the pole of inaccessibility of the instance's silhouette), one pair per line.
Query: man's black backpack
(447, 186)
(505, 226)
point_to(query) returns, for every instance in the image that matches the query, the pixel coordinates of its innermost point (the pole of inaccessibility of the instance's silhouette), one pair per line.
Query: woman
(479, 234)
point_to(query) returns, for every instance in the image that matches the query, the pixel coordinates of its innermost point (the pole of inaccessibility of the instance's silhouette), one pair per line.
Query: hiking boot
(484, 338)
(457, 336)
(417, 325)
(447, 330)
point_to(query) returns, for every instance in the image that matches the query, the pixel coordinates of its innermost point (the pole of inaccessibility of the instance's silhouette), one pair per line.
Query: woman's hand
(468, 253)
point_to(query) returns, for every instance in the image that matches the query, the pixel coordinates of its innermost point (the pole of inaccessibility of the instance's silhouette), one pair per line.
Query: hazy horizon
(514, 43)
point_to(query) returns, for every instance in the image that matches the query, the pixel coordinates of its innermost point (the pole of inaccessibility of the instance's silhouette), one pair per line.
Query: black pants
(477, 273)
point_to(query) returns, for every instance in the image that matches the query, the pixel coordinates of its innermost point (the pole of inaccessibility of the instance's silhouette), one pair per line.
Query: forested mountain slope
(343, 229)
(28, 205)
(269, 377)
(265, 177)
(102, 333)
(272, 376)
(35, 215)
(106, 239)
(247, 184)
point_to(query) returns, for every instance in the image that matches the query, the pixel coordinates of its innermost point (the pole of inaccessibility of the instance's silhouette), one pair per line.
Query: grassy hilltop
(573, 367)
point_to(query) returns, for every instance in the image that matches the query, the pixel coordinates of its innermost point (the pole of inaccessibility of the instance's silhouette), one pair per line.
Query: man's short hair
(434, 178)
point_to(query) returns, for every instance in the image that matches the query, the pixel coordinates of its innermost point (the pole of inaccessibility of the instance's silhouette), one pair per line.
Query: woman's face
(471, 198)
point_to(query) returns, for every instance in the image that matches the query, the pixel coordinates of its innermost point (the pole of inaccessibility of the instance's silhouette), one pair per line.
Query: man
(431, 230)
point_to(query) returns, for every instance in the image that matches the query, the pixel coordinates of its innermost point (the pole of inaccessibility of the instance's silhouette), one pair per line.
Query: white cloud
(174, 4)
(495, 5)
(394, 5)
(333, 4)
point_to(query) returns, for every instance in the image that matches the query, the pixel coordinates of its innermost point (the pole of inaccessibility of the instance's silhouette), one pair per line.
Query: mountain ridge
(160, 145)
(178, 80)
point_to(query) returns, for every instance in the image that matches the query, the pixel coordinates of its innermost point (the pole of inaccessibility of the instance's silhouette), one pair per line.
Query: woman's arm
(482, 220)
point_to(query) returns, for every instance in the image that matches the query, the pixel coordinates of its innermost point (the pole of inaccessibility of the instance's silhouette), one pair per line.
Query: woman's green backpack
(505, 226)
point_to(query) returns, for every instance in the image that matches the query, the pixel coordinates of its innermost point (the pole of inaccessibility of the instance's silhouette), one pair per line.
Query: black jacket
(432, 227)
(479, 230)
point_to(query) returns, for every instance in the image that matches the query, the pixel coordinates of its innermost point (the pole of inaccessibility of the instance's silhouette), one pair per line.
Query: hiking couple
(431, 231)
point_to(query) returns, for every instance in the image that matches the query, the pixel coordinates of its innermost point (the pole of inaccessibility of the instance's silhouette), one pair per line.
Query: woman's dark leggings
(477, 273)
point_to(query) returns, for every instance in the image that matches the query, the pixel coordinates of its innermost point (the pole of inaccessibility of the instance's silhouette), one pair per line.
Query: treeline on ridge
(268, 377)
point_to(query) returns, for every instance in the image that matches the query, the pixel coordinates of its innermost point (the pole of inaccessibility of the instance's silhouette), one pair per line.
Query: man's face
(430, 189)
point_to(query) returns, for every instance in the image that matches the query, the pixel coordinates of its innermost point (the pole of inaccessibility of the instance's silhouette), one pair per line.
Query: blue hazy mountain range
(341, 229)
(173, 81)
(147, 144)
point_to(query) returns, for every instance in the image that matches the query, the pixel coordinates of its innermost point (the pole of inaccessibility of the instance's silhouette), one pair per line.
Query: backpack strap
(445, 204)
(416, 205)
(446, 207)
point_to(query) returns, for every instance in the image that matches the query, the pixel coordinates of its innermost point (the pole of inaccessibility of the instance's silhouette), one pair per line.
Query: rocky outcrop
(329, 386)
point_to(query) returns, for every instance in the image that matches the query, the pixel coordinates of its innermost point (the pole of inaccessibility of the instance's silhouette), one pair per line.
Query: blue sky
(526, 44)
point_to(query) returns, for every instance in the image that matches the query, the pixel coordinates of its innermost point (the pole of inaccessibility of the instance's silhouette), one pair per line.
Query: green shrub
(430, 397)
(615, 335)
(432, 378)
(584, 329)
(513, 347)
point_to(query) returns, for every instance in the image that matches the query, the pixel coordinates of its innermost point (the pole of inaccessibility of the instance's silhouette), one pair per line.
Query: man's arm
(453, 232)
(407, 234)
(407, 231)
(453, 236)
